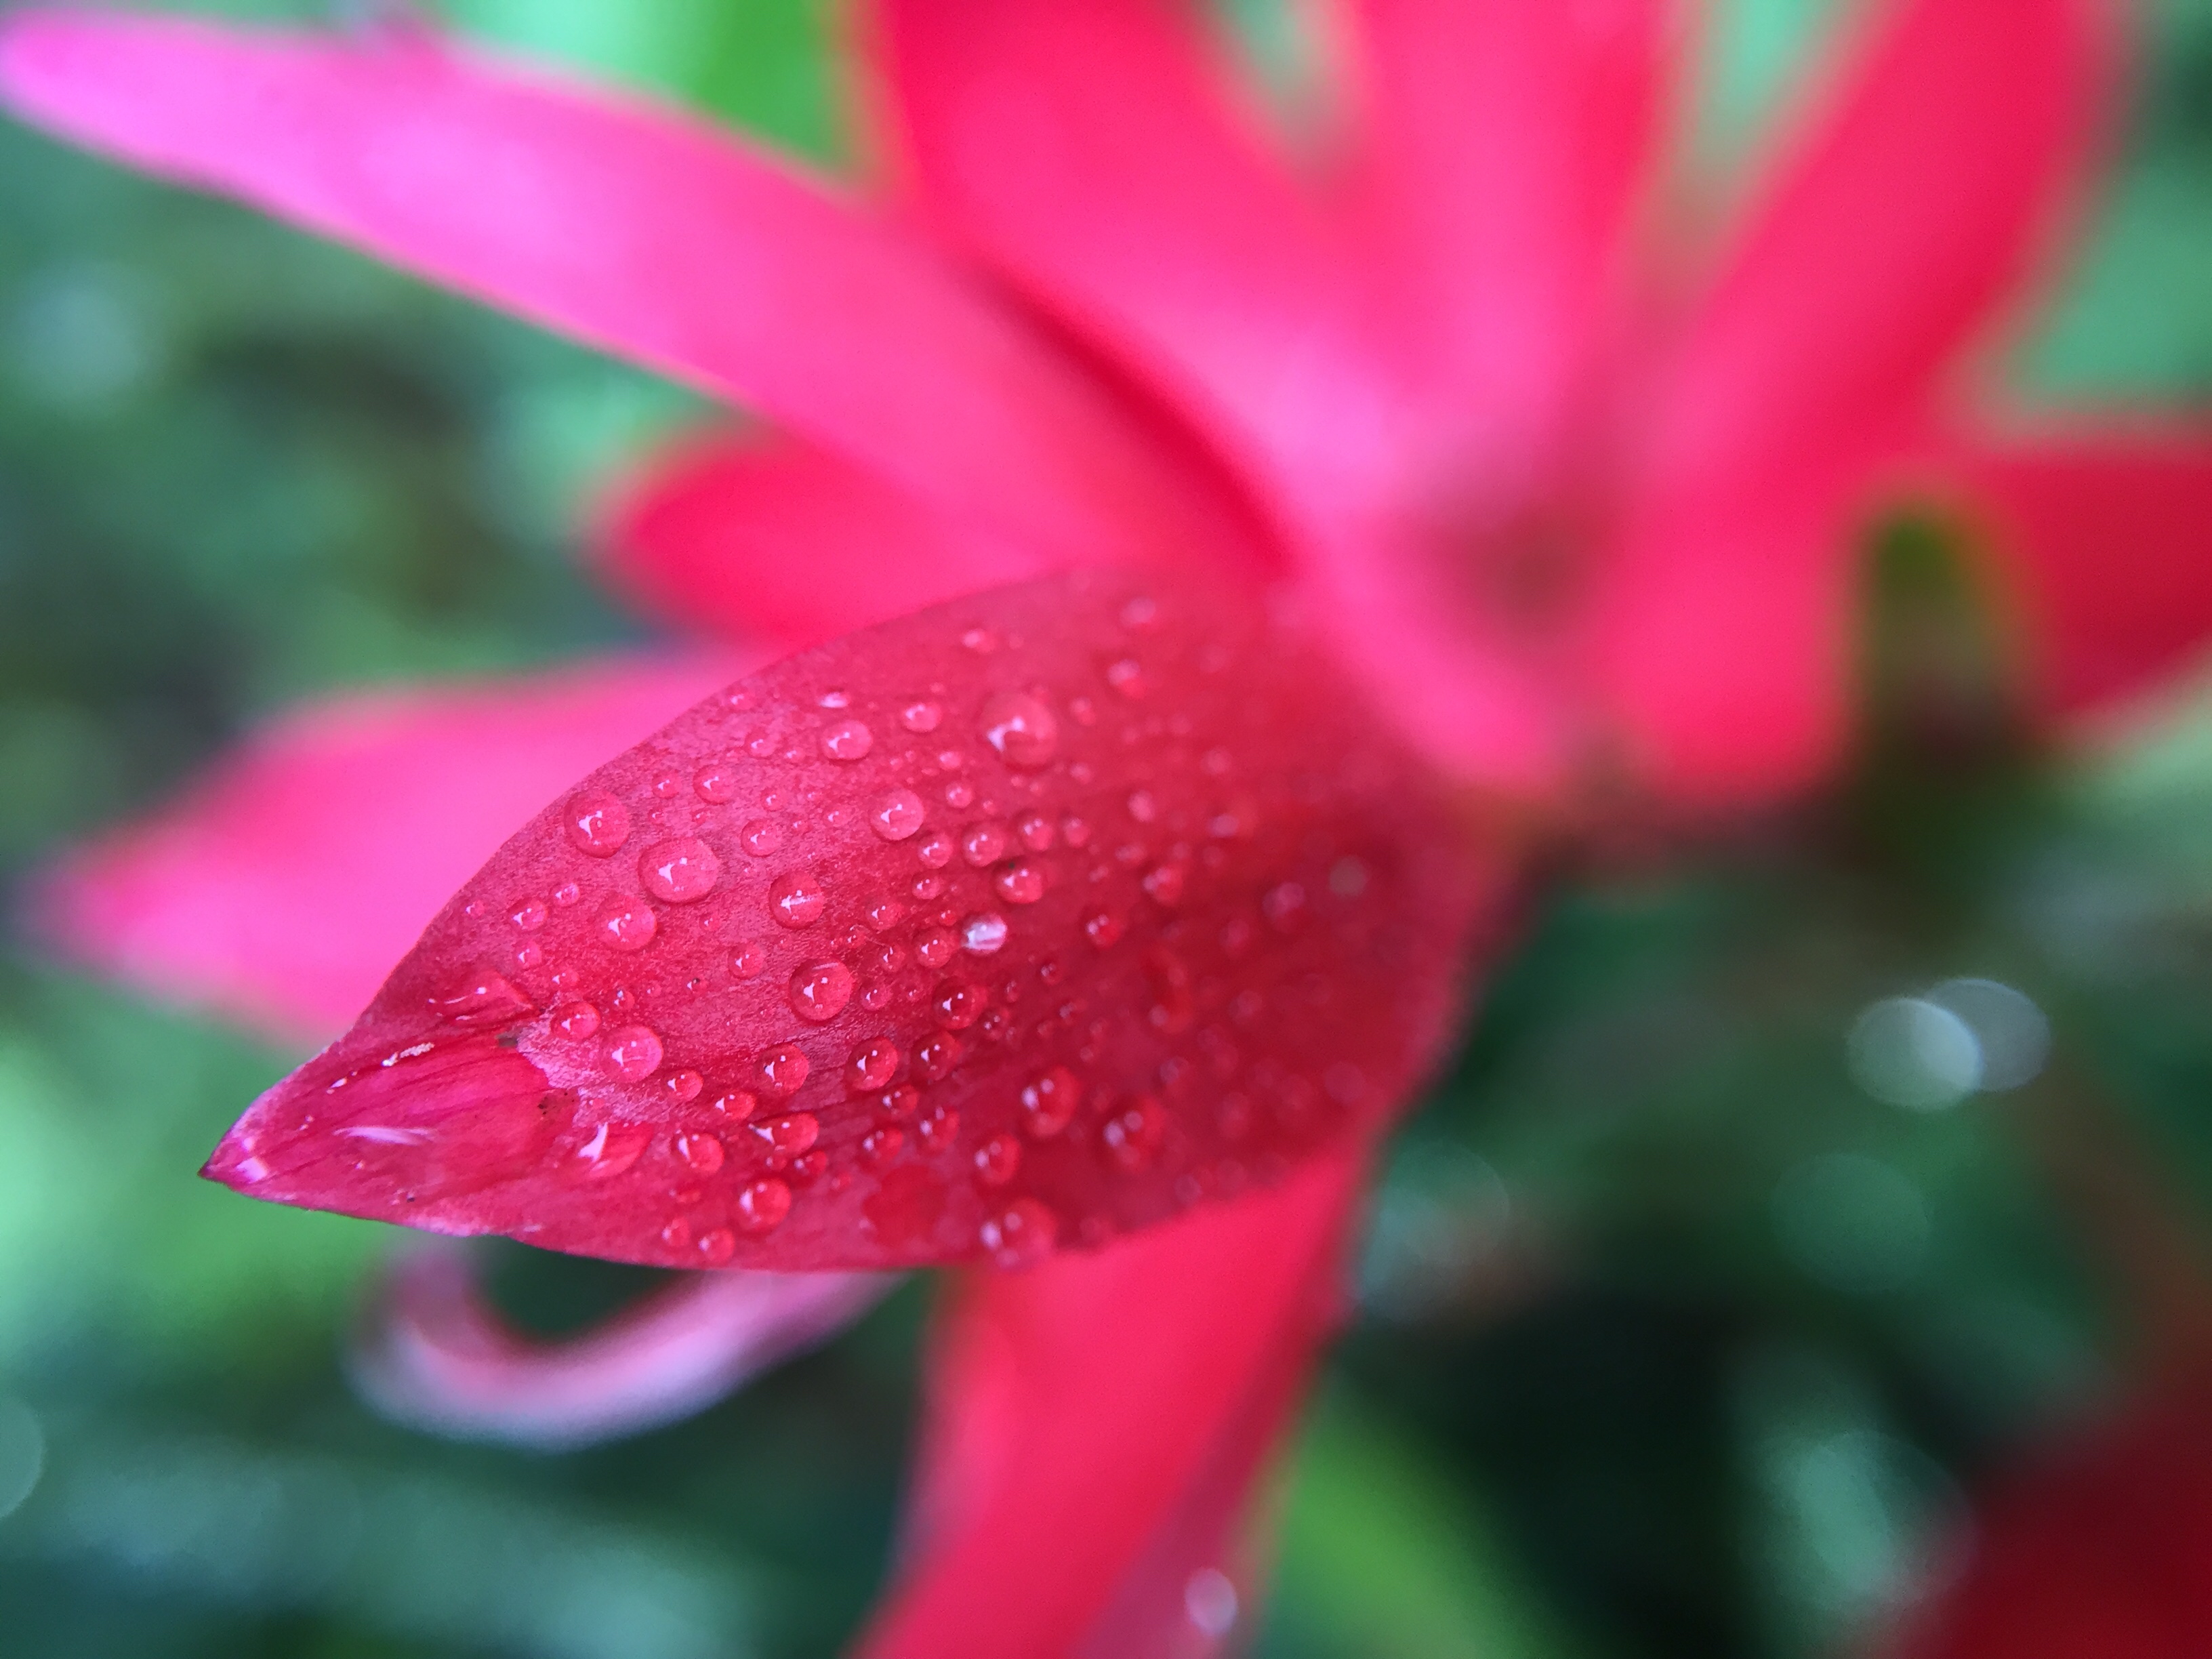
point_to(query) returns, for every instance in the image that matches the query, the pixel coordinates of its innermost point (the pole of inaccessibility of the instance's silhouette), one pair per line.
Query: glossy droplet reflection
(633, 1052)
(896, 814)
(598, 823)
(1020, 1236)
(820, 990)
(680, 871)
(1023, 731)
(848, 740)
(796, 898)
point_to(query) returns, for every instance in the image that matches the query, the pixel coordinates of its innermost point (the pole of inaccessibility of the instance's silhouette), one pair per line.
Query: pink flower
(1291, 532)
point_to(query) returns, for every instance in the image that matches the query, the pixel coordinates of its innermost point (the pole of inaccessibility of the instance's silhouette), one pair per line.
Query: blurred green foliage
(1674, 1340)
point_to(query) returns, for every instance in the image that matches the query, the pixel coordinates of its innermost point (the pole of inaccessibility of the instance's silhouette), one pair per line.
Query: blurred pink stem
(435, 1355)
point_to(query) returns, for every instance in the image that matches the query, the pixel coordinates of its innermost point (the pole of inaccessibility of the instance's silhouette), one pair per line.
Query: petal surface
(1915, 205)
(437, 1357)
(281, 888)
(1096, 1427)
(1502, 147)
(633, 228)
(762, 537)
(2108, 537)
(1033, 919)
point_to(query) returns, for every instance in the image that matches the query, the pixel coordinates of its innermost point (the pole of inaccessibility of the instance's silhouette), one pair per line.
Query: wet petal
(1028, 920)
(635, 229)
(437, 1357)
(1915, 206)
(281, 887)
(765, 538)
(2109, 536)
(1096, 1427)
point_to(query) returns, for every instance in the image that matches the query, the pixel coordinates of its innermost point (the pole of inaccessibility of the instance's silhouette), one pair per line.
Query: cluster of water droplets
(979, 965)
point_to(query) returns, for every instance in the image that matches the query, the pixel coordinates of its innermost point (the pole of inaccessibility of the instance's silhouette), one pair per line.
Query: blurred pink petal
(283, 887)
(633, 228)
(745, 534)
(1096, 1426)
(436, 1356)
(2108, 535)
(1913, 206)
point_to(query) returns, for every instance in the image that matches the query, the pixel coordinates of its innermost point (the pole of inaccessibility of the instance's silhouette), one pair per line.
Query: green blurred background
(1676, 1338)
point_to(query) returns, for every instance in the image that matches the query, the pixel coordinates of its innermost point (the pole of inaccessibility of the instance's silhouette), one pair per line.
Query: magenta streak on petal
(435, 1356)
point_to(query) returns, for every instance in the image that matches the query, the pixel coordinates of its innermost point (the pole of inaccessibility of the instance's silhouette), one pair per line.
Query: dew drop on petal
(896, 814)
(1048, 1103)
(1035, 830)
(684, 1087)
(567, 894)
(717, 1245)
(937, 1129)
(715, 784)
(1103, 928)
(679, 871)
(597, 823)
(781, 1069)
(762, 1206)
(997, 1160)
(983, 933)
(625, 924)
(633, 1052)
(880, 1146)
(902, 1101)
(529, 915)
(748, 960)
(1023, 731)
(577, 1021)
(1164, 884)
(1132, 1137)
(848, 740)
(959, 1004)
(1020, 1236)
(701, 1151)
(935, 1057)
(983, 844)
(796, 898)
(872, 1066)
(935, 947)
(922, 715)
(1021, 881)
(737, 1105)
(1128, 677)
(760, 837)
(820, 990)
(935, 850)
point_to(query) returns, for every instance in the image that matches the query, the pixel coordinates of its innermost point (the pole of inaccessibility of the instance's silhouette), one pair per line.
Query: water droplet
(1020, 1236)
(796, 899)
(475, 909)
(934, 1057)
(759, 837)
(612, 1148)
(1164, 882)
(1023, 731)
(935, 947)
(715, 783)
(748, 959)
(1128, 677)
(625, 924)
(836, 697)
(762, 1206)
(935, 850)
(737, 1105)
(1035, 830)
(1132, 1137)
(781, 1069)
(684, 1087)
(983, 933)
(981, 641)
(676, 1235)
(1103, 928)
(904, 1101)
(997, 1160)
(983, 844)
(871, 1065)
(567, 894)
(959, 1004)
(789, 1136)
(922, 715)
(896, 814)
(529, 915)
(1048, 1103)
(1144, 805)
(960, 793)
(597, 823)
(939, 1129)
(633, 1052)
(680, 871)
(880, 1146)
(701, 1151)
(848, 740)
(482, 998)
(884, 913)
(1077, 831)
(1021, 881)
(577, 1021)
(717, 1246)
(820, 990)
(928, 887)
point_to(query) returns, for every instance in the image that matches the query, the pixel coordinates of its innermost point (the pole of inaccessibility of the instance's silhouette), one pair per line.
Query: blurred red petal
(436, 1356)
(1096, 1426)
(632, 227)
(1502, 149)
(1914, 208)
(761, 537)
(2109, 536)
(1033, 919)
(281, 888)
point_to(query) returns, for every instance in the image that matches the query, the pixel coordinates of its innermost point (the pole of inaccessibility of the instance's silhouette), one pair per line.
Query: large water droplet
(880, 1146)
(984, 932)
(1132, 1137)
(715, 784)
(848, 740)
(1023, 731)
(983, 844)
(762, 1206)
(748, 959)
(760, 837)
(1048, 1103)
(625, 924)
(716, 1245)
(1103, 928)
(701, 1151)
(681, 872)
(872, 1066)
(820, 990)
(482, 998)
(597, 823)
(633, 1052)
(997, 1160)
(781, 1069)
(1020, 1236)
(796, 898)
(529, 915)
(896, 814)
(1127, 677)
(579, 1022)
(922, 715)
(612, 1148)
(934, 1057)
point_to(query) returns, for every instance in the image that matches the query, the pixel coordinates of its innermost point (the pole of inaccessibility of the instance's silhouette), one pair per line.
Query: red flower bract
(1077, 904)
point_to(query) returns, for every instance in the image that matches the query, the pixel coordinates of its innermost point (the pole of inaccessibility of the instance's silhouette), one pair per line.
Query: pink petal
(755, 536)
(281, 887)
(1096, 1427)
(1095, 151)
(1035, 917)
(1913, 207)
(438, 1357)
(632, 227)
(1502, 147)
(2110, 538)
